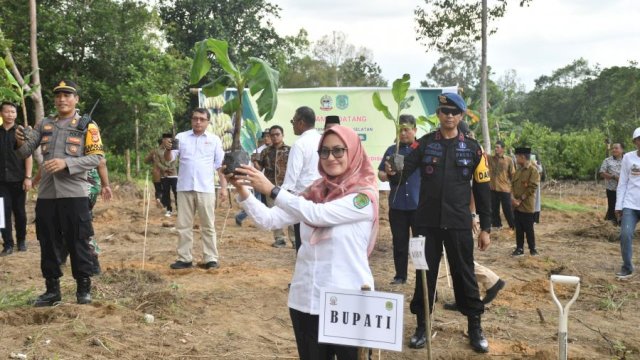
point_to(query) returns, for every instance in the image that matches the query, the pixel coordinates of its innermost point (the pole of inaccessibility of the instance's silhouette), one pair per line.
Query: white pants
(190, 202)
(486, 278)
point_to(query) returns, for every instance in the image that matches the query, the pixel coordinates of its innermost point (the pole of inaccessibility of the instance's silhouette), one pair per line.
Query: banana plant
(258, 76)
(399, 91)
(167, 105)
(16, 91)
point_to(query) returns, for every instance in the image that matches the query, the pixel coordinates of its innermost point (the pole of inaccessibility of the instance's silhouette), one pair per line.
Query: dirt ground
(239, 310)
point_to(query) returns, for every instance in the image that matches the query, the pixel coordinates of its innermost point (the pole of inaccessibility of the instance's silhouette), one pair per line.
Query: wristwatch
(274, 192)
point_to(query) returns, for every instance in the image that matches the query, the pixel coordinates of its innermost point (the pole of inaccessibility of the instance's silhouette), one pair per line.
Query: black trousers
(305, 328)
(169, 184)
(402, 226)
(14, 203)
(296, 232)
(459, 245)
(524, 226)
(64, 222)
(611, 205)
(501, 198)
(157, 186)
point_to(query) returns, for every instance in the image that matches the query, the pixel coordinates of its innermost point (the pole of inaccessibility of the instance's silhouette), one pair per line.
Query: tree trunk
(127, 162)
(36, 97)
(484, 120)
(137, 143)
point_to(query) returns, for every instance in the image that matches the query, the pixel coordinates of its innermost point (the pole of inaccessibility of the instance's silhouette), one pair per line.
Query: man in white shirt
(628, 205)
(302, 168)
(200, 154)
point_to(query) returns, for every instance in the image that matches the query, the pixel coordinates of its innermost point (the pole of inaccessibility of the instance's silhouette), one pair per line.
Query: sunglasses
(337, 152)
(450, 111)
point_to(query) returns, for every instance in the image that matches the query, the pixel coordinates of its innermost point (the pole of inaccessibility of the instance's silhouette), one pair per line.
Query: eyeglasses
(337, 152)
(199, 119)
(450, 111)
(275, 134)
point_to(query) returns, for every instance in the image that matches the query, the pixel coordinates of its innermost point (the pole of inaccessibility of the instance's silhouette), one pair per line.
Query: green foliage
(573, 155)
(558, 205)
(14, 299)
(247, 24)
(258, 76)
(442, 23)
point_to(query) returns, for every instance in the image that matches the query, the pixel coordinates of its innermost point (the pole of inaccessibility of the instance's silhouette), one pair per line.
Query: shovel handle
(565, 279)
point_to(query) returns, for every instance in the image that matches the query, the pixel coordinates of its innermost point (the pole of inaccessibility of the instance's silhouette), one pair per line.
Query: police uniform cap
(66, 86)
(523, 150)
(452, 99)
(332, 119)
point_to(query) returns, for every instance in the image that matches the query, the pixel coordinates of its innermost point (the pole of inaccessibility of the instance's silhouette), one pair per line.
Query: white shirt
(339, 261)
(302, 167)
(200, 156)
(628, 193)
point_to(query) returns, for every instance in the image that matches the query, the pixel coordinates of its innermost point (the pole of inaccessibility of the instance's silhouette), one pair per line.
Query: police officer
(71, 146)
(448, 160)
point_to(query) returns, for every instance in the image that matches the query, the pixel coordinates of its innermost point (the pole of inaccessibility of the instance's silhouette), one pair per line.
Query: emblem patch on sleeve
(360, 201)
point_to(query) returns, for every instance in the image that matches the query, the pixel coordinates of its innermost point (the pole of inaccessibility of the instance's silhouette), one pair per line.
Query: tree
(245, 23)
(458, 66)
(331, 61)
(452, 21)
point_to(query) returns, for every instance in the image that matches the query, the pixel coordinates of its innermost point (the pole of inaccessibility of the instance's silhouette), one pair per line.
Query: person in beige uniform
(501, 170)
(524, 184)
(71, 145)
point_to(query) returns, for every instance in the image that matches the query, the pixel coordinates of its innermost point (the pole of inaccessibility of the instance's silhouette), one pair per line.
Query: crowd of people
(321, 194)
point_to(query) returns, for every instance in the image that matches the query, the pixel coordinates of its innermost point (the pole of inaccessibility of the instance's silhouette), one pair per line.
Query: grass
(14, 299)
(553, 204)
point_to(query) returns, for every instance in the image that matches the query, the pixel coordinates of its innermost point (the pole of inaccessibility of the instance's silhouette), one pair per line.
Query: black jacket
(450, 169)
(11, 166)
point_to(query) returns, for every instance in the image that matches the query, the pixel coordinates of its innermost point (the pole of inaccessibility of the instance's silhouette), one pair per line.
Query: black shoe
(398, 281)
(211, 265)
(22, 245)
(476, 338)
(51, 296)
(181, 265)
(238, 221)
(83, 292)
(418, 339)
(533, 252)
(451, 306)
(493, 291)
(7, 251)
(517, 252)
(95, 266)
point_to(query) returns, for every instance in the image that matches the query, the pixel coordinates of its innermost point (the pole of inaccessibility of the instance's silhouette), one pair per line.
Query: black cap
(523, 150)
(332, 119)
(66, 86)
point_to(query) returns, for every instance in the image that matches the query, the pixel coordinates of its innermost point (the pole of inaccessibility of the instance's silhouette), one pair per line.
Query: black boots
(83, 294)
(51, 296)
(418, 339)
(476, 338)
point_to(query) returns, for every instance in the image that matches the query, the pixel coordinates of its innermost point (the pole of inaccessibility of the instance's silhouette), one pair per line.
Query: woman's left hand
(254, 178)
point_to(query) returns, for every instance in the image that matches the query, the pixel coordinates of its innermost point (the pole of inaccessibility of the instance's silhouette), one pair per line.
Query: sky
(533, 40)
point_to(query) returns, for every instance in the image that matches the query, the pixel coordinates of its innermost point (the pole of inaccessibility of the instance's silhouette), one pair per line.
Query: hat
(463, 127)
(636, 133)
(265, 132)
(452, 99)
(167, 136)
(332, 119)
(523, 150)
(66, 86)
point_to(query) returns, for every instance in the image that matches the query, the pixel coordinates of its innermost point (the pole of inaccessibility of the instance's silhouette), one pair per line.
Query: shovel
(564, 311)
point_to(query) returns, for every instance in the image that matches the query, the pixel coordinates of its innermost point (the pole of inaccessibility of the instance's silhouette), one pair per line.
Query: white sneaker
(167, 214)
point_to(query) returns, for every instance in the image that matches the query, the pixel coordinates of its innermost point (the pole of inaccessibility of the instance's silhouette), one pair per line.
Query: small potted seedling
(258, 76)
(20, 92)
(399, 91)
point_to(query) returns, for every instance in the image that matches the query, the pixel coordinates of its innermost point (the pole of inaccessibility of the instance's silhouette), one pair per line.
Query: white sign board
(361, 318)
(2, 224)
(416, 249)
